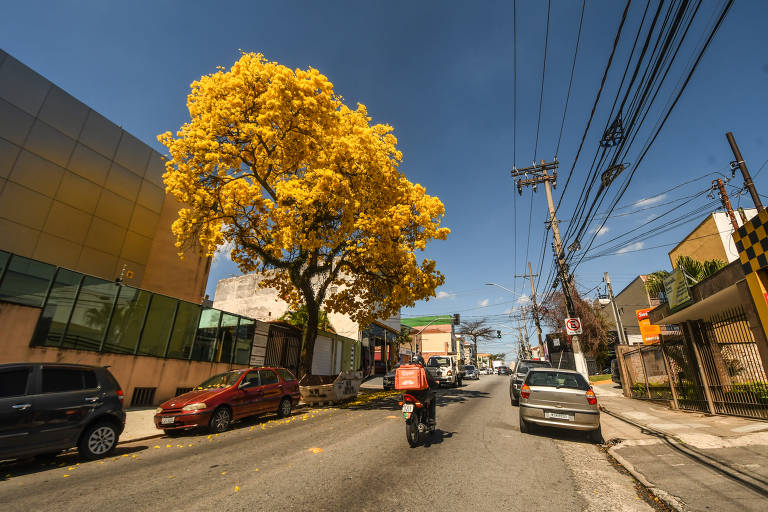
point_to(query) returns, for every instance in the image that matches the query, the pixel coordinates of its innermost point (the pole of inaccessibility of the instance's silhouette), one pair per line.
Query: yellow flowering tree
(305, 189)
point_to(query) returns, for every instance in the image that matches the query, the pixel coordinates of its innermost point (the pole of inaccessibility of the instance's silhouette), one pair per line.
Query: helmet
(418, 360)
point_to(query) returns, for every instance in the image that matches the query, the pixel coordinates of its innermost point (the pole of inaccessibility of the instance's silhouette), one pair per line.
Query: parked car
(615, 373)
(46, 408)
(229, 396)
(471, 372)
(503, 370)
(551, 397)
(518, 376)
(389, 378)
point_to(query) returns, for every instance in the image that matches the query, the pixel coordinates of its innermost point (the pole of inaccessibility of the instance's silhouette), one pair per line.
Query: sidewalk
(692, 461)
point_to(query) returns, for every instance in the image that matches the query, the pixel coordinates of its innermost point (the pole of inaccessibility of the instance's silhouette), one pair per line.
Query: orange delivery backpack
(411, 377)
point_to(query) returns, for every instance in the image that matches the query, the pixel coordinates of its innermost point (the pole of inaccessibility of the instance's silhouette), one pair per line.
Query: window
(286, 375)
(59, 380)
(13, 382)
(157, 328)
(245, 332)
(89, 378)
(222, 380)
(126, 321)
(268, 377)
(227, 335)
(557, 380)
(184, 329)
(26, 281)
(205, 341)
(252, 378)
(53, 320)
(91, 314)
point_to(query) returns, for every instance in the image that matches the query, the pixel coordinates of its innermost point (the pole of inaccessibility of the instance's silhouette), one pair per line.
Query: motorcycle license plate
(407, 407)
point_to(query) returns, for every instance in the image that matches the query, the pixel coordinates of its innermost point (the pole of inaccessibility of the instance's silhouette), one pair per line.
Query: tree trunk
(476, 364)
(308, 336)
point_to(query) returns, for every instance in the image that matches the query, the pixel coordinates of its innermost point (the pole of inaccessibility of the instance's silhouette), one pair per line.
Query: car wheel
(596, 436)
(220, 420)
(513, 400)
(98, 440)
(285, 408)
(525, 428)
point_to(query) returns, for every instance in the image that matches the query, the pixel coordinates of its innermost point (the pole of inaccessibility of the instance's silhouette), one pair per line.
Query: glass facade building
(83, 312)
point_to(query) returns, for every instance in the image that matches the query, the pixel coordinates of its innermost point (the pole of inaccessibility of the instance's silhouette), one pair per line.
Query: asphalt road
(349, 458)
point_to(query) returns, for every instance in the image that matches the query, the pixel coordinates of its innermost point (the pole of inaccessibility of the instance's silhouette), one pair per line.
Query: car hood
(193, 397)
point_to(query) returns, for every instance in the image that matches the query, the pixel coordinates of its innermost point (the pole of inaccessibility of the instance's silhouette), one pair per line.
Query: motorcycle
(416, 415)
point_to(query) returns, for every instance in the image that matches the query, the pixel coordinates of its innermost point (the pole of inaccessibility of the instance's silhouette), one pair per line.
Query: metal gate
(283, 348)
(684, 374)
(732, 364)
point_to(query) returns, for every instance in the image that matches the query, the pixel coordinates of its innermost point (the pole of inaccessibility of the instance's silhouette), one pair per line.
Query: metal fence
(283, 348)
(713, 366)
(647, 373)
(732, 365)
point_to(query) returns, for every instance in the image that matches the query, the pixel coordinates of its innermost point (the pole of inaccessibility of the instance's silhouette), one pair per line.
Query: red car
(229, 396)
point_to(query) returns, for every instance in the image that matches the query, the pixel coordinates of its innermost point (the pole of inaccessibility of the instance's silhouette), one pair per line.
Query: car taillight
(525, 391)
(591, 398)
(120, 394)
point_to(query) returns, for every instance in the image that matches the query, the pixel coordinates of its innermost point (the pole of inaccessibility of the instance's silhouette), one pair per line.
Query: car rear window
(524, 367)
(469, 367)
(268, 377)
(557, 380)
(438, 361)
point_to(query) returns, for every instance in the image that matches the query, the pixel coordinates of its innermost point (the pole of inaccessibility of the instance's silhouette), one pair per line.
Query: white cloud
(631, 247)
(445, 295)
(484, 303)
(222, 255)
(650, 200)
(524, 299)
(509, 311)
(603, 230)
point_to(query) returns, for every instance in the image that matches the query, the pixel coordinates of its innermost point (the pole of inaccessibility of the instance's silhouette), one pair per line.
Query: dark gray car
(518, 376)
(47, 407)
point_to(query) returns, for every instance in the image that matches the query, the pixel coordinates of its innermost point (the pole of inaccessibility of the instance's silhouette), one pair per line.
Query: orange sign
(649, 332)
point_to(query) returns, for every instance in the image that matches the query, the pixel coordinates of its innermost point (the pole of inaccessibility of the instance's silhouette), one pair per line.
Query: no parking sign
(573, 326)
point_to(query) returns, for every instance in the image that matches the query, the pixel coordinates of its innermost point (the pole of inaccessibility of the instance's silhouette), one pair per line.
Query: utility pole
(616, 316)
(534, 175)
(530, 275)
(744, 172)
(720, 186)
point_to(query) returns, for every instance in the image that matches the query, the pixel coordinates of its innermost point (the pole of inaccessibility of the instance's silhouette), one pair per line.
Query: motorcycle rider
(426, 396)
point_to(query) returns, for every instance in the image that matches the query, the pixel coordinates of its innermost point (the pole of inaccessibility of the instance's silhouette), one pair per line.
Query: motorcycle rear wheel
(412, 431)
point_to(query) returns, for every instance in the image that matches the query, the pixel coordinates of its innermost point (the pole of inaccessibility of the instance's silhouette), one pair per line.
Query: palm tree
(299, 317)
(694, 269)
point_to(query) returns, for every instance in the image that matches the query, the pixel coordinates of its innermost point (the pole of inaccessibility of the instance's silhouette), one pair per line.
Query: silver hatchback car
(559, 398)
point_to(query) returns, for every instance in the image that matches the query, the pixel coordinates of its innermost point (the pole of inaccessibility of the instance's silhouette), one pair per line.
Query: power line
(543, 75)
(570, 81)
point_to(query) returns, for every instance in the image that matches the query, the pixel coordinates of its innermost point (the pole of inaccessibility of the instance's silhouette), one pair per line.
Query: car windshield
(557, 380)
(222, 380)
(439, 361)
(524, 367)
(469, 367)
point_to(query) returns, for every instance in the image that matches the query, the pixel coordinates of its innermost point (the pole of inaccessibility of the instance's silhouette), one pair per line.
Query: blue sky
(441, 73)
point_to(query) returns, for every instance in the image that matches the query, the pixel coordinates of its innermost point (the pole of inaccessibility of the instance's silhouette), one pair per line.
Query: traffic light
(498, 334)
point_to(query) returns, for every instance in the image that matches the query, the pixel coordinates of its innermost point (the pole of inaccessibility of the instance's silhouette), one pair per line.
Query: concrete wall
(243, 295)
(17, 323)
(711, 239)
(80, 192)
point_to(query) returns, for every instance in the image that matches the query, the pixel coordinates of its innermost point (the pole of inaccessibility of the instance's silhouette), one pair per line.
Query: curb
(145, 438)
(720, 466)
(668, 499)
